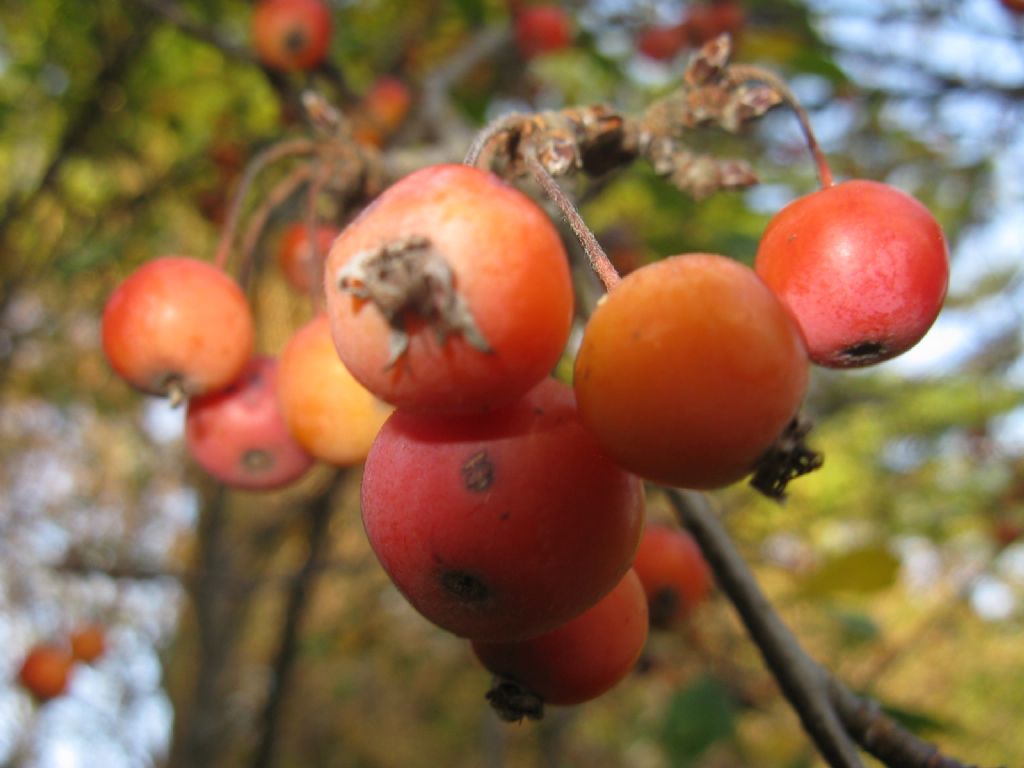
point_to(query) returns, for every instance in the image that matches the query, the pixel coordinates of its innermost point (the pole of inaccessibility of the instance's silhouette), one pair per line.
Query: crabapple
(45, 670)
(88, 643)
(542, 29)
(501, 525)
(661, 43)
(239, 434)
(575, 662)
(451, 291)
(178, 326)
(382, 110)
(291, 35)
(327, 411)
(674, 574)
(297, 258)
(862, 266)
(1013, 6)
(689, 370)
(706, 22)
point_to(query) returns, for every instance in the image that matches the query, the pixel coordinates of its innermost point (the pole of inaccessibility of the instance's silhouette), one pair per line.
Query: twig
(298, 599)
(799, 677)
(172, 13)
(277, 196)
(830, 712)
(599, 260)
(267, 157)
(740, 73)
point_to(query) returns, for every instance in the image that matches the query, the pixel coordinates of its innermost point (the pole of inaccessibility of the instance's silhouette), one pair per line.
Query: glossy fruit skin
(862, 266)
(327, 411)
(509, 266)
(45, 671)
(239, 434)
(503, 525)
(689, 370)
(542, 29)
(88, 643)
(662, 43)
(291, 35)
(581, 659)
(674, 574)
(178, 319)
(295, 255)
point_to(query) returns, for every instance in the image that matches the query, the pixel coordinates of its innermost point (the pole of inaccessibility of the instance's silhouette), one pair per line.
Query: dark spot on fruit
(478, 472)
(295, 41)
(504, 515)
(664, 607)
(257, 460)
(864, 352)
(465, 587)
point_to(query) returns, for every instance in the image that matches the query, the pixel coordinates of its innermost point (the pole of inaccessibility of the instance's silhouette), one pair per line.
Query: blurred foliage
(122, 137)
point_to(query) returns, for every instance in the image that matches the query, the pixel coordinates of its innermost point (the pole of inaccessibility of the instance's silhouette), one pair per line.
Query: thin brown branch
(829, 711)
(799, 677)
(599, 260)
(317, 540)
(277, 196)
(269, 156)
(741, 73)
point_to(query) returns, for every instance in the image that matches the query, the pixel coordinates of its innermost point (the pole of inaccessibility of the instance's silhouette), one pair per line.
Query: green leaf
(917, 722)
(866, 570)
(696, 718)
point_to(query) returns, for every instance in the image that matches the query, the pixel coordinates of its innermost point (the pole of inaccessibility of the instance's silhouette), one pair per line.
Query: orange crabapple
(689, 370)
(328, 412)
(178, 326)
(45, 671)
(297, 258)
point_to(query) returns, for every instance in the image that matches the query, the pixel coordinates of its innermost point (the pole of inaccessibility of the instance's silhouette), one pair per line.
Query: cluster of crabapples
(46, 669)
(505, 505)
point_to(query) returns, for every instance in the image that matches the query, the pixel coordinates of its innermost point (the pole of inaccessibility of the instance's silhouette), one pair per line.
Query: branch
(799, 677)
(830, 712)
(319, 520)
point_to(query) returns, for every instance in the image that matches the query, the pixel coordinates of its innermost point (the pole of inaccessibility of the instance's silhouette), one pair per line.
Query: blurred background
(234, 637)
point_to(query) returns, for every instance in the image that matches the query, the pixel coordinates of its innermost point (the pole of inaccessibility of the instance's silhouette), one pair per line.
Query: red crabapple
(675, 576)
(239, 434)
(501, 525)
(295, 255)
(451, 291)
(862, 266)
(542, 29)
(575, 662)
(178, 326)
(291, 35)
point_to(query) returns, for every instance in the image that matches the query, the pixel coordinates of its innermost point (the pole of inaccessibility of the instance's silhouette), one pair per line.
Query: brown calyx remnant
(786, 460)
(512, 701)
(405, 278)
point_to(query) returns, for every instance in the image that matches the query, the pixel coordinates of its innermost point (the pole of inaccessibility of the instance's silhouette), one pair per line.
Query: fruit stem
(599, 260)
(504, 124)
(268, 156)
(312, 220)
(740, 73)
(278, 195)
